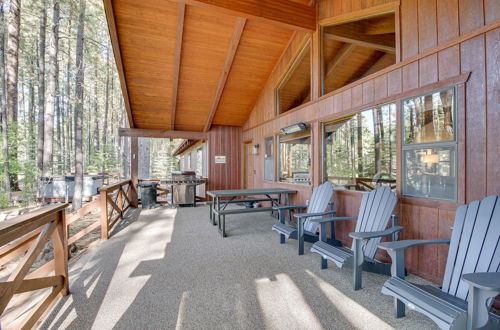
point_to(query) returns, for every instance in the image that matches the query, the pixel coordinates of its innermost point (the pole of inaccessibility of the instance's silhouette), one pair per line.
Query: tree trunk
(50, 95)
(3, 105)
(106, 111)
(41, 85)
(12, 66)
(69, 110)
(80, 78)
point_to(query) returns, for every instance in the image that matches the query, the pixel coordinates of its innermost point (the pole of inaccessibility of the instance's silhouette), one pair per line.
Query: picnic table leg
(281, 217)
(300, 236)
(210, 210)
(218, 209)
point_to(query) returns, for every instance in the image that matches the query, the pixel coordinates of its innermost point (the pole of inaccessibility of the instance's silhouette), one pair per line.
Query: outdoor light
(255, 149)
(299, 127)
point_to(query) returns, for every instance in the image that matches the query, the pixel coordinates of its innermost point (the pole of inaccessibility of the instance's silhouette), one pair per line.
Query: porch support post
(134, 170)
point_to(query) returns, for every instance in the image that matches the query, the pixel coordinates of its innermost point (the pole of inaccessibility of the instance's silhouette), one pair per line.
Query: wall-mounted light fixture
(295, 128)
(255, 149)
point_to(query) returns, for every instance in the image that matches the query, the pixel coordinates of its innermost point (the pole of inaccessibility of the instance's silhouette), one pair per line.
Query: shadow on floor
(170, 269)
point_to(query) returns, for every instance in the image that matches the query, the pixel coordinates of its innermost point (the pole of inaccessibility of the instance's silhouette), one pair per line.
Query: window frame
(430, 145)
(323, 165)
(273, 139)
(389, 8)
(311, 158)
(289, 71)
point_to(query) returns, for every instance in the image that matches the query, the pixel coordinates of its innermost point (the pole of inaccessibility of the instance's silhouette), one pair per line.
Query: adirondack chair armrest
(333, 219)
(401, 245)
(396, 251)
(484, 281)
(375, 234)
(289, 207)
(310, 215)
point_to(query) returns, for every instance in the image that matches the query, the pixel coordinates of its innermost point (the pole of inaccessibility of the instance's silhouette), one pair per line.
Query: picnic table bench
(223, 198)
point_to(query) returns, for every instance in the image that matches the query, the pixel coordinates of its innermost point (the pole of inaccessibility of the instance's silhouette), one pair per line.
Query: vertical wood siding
(224, 141)
(432, 27)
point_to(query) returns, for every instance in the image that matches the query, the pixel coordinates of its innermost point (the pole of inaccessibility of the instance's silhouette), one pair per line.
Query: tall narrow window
(295, 88)
(360, 150)
(295, 158)
(269, 158)
(429, 146)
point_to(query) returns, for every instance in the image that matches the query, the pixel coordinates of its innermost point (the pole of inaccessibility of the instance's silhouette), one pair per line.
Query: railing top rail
(16, 227)
(115, 185)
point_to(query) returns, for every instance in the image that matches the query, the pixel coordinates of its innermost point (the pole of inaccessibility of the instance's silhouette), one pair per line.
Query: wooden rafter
(153, 133)
(181, 9)
(113, 33)
(233, 47)
(362, 41)
(339, 57)
(287, 13)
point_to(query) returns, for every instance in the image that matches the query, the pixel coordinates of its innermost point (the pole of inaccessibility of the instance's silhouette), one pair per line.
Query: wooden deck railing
(28, 234)
(115, 200)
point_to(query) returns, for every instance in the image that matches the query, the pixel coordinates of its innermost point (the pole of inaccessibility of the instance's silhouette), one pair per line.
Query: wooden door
(249, 169)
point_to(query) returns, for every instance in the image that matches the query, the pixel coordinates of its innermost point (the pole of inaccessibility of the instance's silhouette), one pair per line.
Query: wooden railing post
(60, 243)
(119, 200)
(104, 214)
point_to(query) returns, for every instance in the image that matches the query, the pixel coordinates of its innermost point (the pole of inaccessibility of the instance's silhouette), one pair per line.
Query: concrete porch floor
(170, 269)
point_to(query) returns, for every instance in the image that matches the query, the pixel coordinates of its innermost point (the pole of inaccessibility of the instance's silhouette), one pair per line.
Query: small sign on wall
(220, 159)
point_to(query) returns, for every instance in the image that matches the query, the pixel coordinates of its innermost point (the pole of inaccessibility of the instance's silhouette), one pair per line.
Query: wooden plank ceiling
(186, 65)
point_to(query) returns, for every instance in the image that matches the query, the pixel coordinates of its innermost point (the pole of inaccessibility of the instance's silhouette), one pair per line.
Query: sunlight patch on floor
(282, 303)
(182, 310)
(156, 232)
(357, 315)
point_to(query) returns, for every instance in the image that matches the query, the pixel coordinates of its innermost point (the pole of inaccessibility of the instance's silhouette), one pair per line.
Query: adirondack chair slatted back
(320, 198)
(374, 213)
(474, 245)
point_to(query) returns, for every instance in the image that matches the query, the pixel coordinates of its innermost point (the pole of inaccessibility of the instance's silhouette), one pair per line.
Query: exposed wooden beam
(339, 57)
(181, 9)
(154, 133)
(110, 17)
(287, 13)
(360, 40)
(383, 25)
(233, 46)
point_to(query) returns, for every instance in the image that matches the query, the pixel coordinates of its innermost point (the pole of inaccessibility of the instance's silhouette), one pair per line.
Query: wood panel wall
(224, 141)
(443, 42)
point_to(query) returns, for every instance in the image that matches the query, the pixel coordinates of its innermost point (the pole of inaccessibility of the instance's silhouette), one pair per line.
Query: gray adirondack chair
(305, 229)
(374, 213)
(471, 271)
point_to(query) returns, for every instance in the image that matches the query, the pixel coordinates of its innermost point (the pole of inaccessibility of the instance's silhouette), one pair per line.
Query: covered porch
(168, 268)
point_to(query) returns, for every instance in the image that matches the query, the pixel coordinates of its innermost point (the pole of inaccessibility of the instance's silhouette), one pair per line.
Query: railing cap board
(23, 224)
(115, 186)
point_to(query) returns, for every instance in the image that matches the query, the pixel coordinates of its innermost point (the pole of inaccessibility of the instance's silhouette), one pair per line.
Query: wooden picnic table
(222, 198)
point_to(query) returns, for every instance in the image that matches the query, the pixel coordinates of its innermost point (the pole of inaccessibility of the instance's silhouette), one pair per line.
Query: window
(295, 88)
(295, 158)
(199, 161)
(357, 49)
(269, 158)
(360, 150)
(429, 146)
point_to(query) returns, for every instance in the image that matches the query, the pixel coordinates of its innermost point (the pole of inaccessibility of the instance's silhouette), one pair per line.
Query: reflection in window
(295, 158)
(360, 151)
(199, 161)
(430, 173)
(429, 118)
(269, 158)
(429, 146)
(295, 88)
